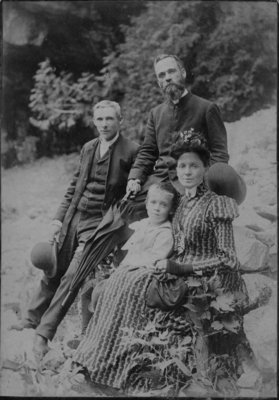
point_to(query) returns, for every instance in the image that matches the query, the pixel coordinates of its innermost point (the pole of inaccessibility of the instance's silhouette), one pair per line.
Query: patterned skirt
(121, 310)
(121, 306)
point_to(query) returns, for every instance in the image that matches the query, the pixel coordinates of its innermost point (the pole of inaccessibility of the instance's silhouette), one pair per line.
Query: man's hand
(161, 266)
(54, 230)
(133, 187)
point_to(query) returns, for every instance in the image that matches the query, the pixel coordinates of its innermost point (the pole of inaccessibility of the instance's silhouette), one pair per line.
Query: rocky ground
(30, 195)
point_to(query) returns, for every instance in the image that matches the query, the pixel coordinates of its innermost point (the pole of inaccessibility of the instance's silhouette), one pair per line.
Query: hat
(224, 180)
(44, 257)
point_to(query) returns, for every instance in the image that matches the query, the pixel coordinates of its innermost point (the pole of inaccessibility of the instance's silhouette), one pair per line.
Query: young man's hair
(108, 103)
(161, 57)
(166, 187)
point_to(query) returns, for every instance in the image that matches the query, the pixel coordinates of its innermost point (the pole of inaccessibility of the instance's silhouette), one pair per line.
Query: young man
(181, 111)
(99, 181)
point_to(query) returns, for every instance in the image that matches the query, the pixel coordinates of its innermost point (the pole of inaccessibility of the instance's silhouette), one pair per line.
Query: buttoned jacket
(122, 155)
(163, 126)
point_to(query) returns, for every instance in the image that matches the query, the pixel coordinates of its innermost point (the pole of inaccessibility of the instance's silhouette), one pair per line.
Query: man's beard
(174, 91)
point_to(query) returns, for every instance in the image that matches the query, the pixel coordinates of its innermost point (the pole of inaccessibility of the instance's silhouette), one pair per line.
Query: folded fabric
(166, 292)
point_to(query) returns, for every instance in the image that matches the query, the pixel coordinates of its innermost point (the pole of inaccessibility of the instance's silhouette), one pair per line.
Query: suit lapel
(89, 156)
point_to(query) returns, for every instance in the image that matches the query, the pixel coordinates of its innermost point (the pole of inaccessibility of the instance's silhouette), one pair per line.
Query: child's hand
(161, 266)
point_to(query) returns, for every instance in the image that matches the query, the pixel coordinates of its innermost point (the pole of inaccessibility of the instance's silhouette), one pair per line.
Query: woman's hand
(161, 266)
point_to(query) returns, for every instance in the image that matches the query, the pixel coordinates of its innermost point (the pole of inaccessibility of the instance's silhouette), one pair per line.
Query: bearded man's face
(171, 78)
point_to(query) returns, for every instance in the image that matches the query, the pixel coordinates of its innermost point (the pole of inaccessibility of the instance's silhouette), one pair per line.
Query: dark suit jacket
(123, 154)
(162, 129)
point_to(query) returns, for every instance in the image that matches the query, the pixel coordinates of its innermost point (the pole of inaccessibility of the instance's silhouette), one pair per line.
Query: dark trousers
(44, 311)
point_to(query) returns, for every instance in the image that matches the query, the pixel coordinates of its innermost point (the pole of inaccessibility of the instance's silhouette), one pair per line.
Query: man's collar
(183, 95)
(108, 143)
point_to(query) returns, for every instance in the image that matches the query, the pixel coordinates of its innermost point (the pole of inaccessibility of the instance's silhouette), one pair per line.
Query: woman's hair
(166, 187)
(191, 142)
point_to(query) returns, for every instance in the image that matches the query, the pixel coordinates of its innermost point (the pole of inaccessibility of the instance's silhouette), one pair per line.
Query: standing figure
(182, 111)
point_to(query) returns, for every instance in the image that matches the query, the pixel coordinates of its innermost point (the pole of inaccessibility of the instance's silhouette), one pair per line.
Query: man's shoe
(40, 347)
(22, 325)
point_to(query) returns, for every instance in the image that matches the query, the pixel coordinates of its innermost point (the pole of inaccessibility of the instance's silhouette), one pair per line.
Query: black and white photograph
(139, 199)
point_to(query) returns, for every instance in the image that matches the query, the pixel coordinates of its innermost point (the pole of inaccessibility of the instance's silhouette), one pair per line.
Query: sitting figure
(99, 181)
(152, 239)
(127, 342)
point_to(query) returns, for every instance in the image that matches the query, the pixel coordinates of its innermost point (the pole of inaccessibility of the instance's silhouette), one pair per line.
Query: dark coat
(123, 154)
(163, 125)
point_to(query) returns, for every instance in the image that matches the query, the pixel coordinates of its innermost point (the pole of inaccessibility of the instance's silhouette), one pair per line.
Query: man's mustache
(172, 85)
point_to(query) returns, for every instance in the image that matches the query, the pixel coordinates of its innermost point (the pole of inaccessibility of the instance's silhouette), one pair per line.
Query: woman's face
(190, 170)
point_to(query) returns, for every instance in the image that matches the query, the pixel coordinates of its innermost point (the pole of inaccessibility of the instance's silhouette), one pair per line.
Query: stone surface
(260, 327)
(268, 212)
(257, 283)
(268, 237)
(252, 254)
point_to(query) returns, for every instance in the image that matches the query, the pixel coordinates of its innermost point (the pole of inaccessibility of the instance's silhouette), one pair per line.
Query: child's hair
(167, 187)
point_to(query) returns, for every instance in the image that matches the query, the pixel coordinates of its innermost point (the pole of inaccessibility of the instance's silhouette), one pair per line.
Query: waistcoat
(94, 193)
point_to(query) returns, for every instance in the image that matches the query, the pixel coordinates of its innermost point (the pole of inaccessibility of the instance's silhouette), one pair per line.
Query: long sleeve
(147, 154)
(217, 135)
(62, 209)
(178, 269)
(220, 215)
(159, 249)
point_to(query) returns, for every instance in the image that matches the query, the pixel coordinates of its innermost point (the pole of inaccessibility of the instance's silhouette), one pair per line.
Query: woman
(172, 343)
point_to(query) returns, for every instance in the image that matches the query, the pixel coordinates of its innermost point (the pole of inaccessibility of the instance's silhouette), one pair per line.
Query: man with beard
(182, 111)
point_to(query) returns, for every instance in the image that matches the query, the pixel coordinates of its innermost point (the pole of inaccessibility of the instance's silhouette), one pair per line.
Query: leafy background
(62, 57)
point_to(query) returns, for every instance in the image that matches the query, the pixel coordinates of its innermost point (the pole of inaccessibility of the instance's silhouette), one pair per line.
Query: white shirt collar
(183, 94)
(105, 144)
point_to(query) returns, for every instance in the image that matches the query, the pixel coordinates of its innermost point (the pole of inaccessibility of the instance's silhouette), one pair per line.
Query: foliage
(75, 36)
(166, 351)
(239, 59)
(62, 107)
(227, 59)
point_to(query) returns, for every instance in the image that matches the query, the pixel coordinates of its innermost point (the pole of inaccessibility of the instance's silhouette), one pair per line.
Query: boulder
(260, 325)
(252, 254)
(268, 237)
(258, 285)
(273, 258)
(250, 219)
(261, 331)
(268, 212)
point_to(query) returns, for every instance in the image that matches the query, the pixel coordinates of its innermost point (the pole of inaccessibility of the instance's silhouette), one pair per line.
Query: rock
(252, 254)
(257, 284)
(273, 259)
(260, 325)
(250, 219)
(268, 237)
(261, 331)
(268, 212)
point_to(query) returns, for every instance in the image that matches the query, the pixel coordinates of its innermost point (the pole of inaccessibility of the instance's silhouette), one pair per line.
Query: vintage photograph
(139, 199)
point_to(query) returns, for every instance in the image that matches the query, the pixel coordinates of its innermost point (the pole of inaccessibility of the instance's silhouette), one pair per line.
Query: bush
(62, 109)
(228, 50)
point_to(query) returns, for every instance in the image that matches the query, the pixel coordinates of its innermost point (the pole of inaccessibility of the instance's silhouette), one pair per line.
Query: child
(152, 240)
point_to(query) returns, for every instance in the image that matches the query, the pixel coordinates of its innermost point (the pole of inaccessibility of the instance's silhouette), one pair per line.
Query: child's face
(158, 205)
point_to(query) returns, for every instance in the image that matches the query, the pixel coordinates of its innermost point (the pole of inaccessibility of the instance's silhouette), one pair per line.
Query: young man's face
(107, 122)
(168, 72)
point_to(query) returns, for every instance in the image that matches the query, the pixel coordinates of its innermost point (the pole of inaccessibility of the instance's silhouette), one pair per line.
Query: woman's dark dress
(203, 235)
